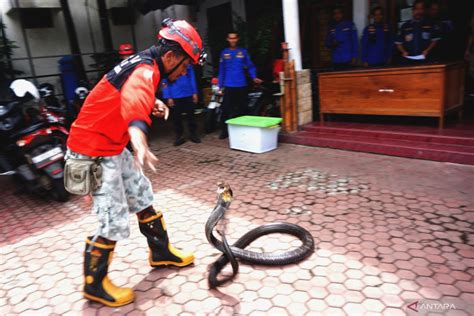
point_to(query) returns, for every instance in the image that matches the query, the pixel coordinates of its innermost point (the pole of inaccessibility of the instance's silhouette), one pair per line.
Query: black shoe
(223, 135)
(179, 141)
(195, 139)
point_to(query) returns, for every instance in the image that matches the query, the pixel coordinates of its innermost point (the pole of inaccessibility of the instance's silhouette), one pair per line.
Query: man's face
(170, 60)
(418, 11)
(434, 11)
(378, 16)
(338, 15)
(232, 38)
(180, 71)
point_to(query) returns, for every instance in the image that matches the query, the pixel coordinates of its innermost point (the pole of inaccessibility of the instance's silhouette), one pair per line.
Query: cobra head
(224, 192)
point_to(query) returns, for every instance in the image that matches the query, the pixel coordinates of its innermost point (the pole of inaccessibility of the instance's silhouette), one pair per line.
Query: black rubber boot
(152, 225)
(98, 287)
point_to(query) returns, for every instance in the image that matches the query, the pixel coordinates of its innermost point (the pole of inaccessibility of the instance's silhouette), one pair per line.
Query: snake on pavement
(237, 251)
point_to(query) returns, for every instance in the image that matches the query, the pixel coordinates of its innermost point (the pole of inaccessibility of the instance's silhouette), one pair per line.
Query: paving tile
(397, 239)
(316, 305)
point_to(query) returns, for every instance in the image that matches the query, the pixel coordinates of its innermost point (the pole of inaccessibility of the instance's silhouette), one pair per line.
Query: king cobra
(236, 251)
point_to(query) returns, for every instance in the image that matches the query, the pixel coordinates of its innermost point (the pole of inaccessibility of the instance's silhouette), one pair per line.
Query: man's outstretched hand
(160, 109)
(143, 155)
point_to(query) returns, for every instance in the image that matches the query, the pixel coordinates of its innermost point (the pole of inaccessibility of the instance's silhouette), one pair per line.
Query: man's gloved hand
(143, 155)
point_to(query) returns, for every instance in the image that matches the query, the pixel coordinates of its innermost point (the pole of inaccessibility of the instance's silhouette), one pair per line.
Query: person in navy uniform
(377, 41)
(342, 40)
(182, 97)
(417, 36)
(233, 62)
(444, 28)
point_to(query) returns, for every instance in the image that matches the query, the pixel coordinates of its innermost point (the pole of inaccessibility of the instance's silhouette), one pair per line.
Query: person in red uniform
(126, 50)
(115, 112)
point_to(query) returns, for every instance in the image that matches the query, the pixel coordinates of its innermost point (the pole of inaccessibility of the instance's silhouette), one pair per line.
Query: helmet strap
(175, 67)
(155, 52)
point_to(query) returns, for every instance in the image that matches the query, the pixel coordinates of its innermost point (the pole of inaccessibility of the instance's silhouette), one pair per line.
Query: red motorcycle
(32, 148)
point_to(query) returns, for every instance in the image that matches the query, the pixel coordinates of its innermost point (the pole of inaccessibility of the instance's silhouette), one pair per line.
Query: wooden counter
(426, 90)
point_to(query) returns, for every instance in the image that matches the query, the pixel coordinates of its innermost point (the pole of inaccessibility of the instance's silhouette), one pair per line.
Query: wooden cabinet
(425, 90)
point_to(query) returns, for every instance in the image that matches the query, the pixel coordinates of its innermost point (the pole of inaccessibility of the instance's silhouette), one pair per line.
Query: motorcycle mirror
(8, 173)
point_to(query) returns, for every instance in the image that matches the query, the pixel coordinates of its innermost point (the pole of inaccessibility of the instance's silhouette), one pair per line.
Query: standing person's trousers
(184, 106)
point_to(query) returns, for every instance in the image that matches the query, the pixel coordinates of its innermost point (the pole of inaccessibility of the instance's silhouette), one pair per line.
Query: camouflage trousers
(125, 190)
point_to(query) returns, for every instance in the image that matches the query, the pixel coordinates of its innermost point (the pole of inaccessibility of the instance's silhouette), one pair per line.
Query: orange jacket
(122, 98)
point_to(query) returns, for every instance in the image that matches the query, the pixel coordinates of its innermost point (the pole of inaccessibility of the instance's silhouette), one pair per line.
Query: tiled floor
(388, 231)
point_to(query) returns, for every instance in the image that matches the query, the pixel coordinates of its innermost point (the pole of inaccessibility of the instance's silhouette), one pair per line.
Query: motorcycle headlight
(7, 124)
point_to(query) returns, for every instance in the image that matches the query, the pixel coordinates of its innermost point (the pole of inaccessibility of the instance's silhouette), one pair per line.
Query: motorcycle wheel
(58, 191)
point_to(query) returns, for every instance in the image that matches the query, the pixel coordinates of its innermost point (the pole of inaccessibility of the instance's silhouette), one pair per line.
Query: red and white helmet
(186, 36)
(126, 49)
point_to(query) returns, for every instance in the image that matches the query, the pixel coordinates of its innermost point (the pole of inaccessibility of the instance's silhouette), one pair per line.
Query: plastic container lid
(255, 121)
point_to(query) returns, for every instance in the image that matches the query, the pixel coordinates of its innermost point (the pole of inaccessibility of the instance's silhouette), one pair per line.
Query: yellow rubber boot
(98, 287)
(152, 225)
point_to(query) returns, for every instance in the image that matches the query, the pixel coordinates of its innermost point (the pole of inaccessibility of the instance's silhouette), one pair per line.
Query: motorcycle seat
(28, 130)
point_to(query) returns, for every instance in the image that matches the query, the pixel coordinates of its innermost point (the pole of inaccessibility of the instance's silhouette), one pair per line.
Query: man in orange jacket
(115, 112)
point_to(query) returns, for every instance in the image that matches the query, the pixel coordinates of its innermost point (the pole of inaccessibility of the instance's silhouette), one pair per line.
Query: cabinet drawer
(406, 94)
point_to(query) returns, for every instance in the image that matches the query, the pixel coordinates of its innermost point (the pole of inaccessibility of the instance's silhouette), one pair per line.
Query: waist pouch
(82, 176)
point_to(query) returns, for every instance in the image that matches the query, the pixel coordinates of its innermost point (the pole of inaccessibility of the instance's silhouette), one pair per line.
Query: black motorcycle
(32, 150)
(262, 101)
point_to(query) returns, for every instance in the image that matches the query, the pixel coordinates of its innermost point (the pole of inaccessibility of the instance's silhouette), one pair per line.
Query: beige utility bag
(82, 176)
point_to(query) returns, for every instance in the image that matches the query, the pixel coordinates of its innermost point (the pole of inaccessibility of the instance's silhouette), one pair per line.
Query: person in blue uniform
(377, 41)
(417, 36)
(444, 27)
(342, 39)
(182, 97)
(233, 64)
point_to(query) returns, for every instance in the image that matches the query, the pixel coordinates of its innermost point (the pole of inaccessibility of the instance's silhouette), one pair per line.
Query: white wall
(54, 41)
(42, 42)
(85, 14)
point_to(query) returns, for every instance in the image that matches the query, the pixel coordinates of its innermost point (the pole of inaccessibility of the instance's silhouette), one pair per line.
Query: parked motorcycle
(80, 95)
(213, 109)
(32, 148)
(51, 108)
(262, 101)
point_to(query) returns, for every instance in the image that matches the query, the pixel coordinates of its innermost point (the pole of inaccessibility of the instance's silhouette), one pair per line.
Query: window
(122, 16)
(36, 18)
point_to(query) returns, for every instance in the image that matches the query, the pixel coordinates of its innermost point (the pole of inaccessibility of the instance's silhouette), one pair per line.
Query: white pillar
(360, 13)
(292, 30)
